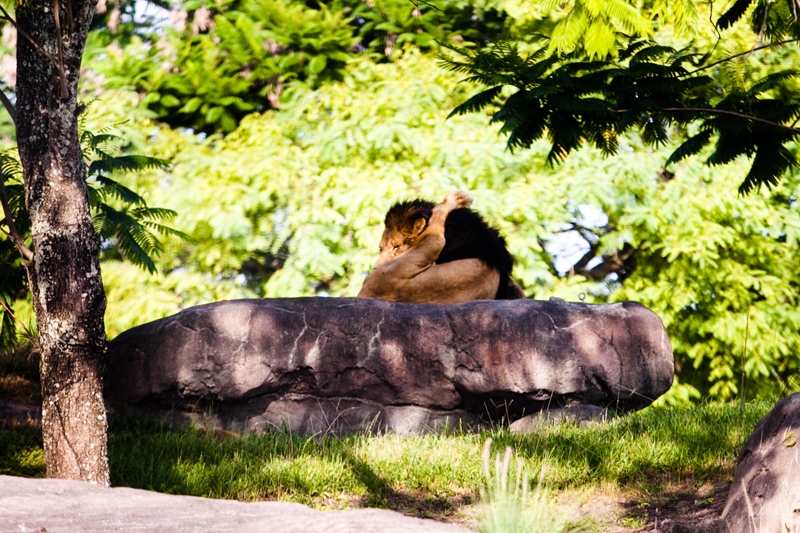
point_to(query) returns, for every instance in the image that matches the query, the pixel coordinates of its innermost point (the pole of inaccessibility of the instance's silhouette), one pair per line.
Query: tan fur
(406, 269)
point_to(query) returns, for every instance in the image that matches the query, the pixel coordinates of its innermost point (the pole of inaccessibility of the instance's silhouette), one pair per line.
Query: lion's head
(403, 225)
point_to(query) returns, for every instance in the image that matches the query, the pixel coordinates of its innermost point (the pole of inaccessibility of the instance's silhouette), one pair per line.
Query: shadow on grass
(324, 472)
(688, 503)
(654, 444)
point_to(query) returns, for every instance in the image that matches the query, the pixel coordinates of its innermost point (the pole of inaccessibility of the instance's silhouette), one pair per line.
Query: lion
(440, 254)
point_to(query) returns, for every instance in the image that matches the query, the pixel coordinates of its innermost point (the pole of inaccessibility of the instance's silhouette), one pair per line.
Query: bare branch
(416, 4)
(788, 129)
(764, 22)
(734, 56)
(9, 107)
(60, 46)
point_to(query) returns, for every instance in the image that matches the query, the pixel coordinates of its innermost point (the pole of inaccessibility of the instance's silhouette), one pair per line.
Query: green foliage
(649, 88)
(726, 288)
(123, 222)
(210, 80)
(238, 56)
(596, 28)
(705, 258)
(384, 25)
(13, 278)
(770, 20)
(594, 25)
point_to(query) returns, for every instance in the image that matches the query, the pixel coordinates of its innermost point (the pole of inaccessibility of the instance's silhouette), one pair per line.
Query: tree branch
(59, 66)
(68, 9)
(12, 233)
(734, 56)
(789, 129)
(764, 22)
(60, 47)
(417, 2)
(9, 107)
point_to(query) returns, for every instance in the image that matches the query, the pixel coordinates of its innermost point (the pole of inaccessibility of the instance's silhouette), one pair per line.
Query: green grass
(21, 451)
(648, 450)
(281, 465)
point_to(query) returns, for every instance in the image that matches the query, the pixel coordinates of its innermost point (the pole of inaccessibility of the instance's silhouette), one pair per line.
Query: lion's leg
(431, 241)
(453, 200)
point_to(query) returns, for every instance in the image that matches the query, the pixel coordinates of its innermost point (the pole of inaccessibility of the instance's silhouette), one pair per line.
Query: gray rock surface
(343, 364)
(765, 494)
(59, 506)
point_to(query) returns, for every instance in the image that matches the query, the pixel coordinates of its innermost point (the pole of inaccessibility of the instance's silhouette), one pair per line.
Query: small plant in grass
(634, 521)
(510, 508)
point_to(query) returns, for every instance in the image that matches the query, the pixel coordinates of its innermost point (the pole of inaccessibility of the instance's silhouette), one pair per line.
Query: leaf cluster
(593, 25)
(598, 28)
(383, 25)
(649, 88)
(770, 20)
(209, 81)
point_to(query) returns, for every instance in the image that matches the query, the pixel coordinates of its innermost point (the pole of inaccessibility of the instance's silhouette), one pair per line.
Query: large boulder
(57, 505)
(341, 364)
(765, 494)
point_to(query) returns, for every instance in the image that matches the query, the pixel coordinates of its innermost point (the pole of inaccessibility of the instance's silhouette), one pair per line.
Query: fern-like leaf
(628, 16)
(119, 191)
(651, 52)
(126, 163)
(771, 81)
(568, 31)
(733, 14)
(771, 161)
(690, 147)
(477, 102)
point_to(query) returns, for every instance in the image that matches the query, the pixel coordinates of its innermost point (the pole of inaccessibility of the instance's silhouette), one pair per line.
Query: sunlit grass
(664, 444)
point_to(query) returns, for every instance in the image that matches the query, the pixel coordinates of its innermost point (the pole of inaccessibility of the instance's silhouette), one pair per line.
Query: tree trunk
(64, 275)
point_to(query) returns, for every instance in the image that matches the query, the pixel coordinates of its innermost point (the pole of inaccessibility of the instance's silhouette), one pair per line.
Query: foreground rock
(329, 364)
(765, 495)
(59, 506)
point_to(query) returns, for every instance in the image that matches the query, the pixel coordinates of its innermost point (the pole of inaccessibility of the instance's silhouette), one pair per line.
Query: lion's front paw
(458, 199)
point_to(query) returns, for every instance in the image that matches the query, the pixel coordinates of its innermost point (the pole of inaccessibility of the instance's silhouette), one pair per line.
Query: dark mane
(408, 210)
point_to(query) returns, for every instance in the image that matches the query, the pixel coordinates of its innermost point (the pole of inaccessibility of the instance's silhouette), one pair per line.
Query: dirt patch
(611, 511)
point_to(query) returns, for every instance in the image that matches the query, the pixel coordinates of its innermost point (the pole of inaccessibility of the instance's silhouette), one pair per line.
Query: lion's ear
(413, 229)
(418, 227)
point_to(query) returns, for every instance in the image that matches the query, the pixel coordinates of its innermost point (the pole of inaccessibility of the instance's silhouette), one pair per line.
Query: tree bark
(64, 275)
